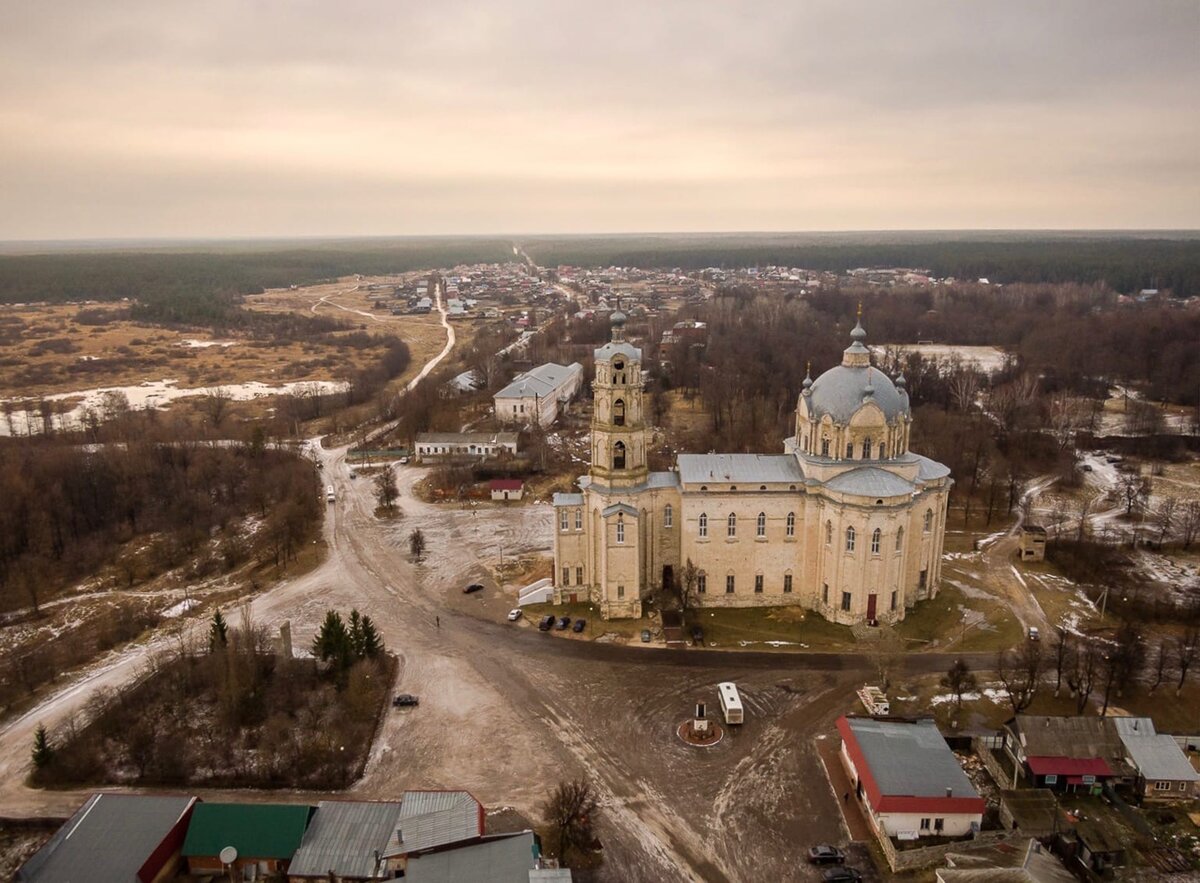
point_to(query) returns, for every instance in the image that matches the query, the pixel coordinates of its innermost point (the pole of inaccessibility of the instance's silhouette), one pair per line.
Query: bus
(731, 703)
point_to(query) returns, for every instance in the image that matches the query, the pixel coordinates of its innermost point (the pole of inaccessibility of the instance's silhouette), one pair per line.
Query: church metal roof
(841, 391)
(740, 468)
(617, 347)
(568, 499)
(870, 481)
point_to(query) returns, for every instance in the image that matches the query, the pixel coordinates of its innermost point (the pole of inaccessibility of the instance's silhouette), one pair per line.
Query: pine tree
(218, 632)
(332, 643)
(43, 753)
(356, 634)
(372, 644)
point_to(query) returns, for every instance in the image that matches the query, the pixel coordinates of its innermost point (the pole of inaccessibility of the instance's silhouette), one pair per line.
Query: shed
(506, 489)
(1032, 544)
(348, 838)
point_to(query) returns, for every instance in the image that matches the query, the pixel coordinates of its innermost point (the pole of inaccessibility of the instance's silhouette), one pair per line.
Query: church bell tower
(618, 419)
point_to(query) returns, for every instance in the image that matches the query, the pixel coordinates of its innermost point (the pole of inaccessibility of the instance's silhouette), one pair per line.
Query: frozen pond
(25, 417)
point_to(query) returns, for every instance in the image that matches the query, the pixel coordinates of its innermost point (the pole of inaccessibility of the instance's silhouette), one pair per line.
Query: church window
(876, 538)
(928, 520)
(849, 450)
(668, 516)
(828, 533)
(701, 583)
(731, 526)
(703, 524)
(619, 412)
(579, 519)
(619, 455)
(824, 593)
(758, 583)
(760, 526)
(922, 579)
(850, 538)
(824, 447)
(846, 601)
(620, 592)
(579, 576)
(787, 583)
(791, 524)
(866, 449)
(893, 599)
(804, 444)
(620, 529)
(566, 576)
(729, 584)
(562, 520)
(899, 539)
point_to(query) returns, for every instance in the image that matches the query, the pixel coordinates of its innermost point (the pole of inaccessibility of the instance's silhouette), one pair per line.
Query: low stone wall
(995, 768)
(901, 860)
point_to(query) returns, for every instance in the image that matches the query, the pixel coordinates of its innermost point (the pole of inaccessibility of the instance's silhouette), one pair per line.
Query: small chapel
(847, 521)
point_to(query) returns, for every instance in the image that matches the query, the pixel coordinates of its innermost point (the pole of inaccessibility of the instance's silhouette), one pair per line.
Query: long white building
(535, 397)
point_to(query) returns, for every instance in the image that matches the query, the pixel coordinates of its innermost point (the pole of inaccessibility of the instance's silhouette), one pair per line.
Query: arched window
(791, 524)
(876, 539)
(850, 536)
(866, 449)
(620, 529)
(579, 519)
(562, 519)
(825, 447)
(618, 372)
(703, 524)
(731, 526)
(619, 412)
(760, 526)
(899, 539)
(804, 444)
(828, 532)
(668, 516)
(619, 455)
(928, 520)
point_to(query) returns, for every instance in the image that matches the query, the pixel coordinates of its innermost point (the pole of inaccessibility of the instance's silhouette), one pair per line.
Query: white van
(731, 702)
(329, 497)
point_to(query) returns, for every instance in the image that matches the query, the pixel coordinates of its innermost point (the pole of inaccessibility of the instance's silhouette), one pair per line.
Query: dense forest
(1126, 263)
(205, 286)
(72, 511)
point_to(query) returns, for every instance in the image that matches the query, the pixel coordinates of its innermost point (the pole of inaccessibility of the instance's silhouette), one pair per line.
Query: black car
(406, 700)
(473, 587)
(697, 635)
(546, 623)
(825, 855)
(841, 875)
(563, 623)
(580, 625)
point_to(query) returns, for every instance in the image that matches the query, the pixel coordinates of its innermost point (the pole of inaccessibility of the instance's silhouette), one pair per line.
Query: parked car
(406, 700)
(547, 623)
(697, 635)
(404, 461)
(563, 622)
(473, 587)
(1034, 634)
(580, 625)
(841, 875)
(824, 854)
(514, 614)
(353, 474)
(645, 636)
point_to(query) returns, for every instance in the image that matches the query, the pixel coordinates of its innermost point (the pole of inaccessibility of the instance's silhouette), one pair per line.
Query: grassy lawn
(941, 620)
(794, 627)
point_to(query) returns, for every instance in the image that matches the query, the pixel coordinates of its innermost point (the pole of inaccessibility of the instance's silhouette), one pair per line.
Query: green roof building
(266, 835)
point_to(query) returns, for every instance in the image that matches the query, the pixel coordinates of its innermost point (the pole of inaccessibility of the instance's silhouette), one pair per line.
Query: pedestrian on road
(438, 620)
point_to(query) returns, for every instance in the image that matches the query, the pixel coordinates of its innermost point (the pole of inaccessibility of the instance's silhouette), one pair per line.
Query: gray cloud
(257, 118)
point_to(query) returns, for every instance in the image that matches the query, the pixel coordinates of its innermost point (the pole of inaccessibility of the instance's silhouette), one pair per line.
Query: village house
(465, 445)
(847, 521)
(129, 838)
(1066, 753)
(505, 489)
(536, 397)
(500, 858)
(1032, 544)
(1163, 769)
(263, 837)
(908, 779)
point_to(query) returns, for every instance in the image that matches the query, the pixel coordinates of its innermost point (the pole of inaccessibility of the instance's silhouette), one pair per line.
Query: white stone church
(847, 522)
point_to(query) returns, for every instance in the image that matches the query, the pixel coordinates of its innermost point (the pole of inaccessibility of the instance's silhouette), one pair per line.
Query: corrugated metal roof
(256, 830)
(109, 838)
(1133, 726)
(743, 468)
(466, 438)
(568, 499)
(435, 818)
(1160, 758)
(910, 759)
(540, 381)
(870, 481)
(506, 859)
(343, 837)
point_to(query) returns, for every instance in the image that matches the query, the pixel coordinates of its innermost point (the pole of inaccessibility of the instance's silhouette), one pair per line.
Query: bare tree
(958, 680)
(416, 544)
(1020, 671)
(1189, 522)
(1081, 678)
(386, 492)
(1186, 647)
(964, 385)
(1134, 490)
(216, 404)
(1064, 650)
(1166, 517)
(687, 586)
(1161, 661)
(568, 812)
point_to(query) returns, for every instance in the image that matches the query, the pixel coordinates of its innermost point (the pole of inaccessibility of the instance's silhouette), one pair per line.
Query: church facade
(847, 521)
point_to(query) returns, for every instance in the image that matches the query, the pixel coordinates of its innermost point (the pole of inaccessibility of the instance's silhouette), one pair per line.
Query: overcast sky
(245, 118)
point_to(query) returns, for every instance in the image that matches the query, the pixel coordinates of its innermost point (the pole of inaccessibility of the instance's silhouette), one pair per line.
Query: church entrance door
(573, 598)
(668, 583)
(871, 607)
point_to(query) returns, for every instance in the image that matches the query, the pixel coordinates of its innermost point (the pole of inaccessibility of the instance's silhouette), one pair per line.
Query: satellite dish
(228, 855)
